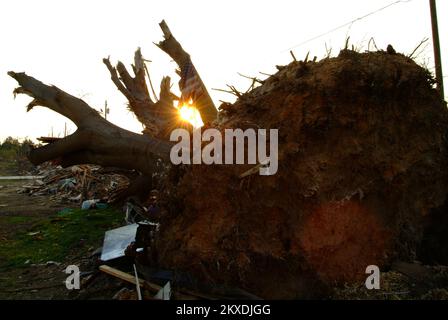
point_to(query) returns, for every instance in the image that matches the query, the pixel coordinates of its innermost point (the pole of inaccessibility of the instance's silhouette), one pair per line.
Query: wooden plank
(131, 279)
(127, 277)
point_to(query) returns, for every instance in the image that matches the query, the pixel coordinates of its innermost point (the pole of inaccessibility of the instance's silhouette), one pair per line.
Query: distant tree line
(13, 147)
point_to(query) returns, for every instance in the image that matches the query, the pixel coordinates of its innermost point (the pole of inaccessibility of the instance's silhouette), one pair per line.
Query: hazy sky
(63, 43)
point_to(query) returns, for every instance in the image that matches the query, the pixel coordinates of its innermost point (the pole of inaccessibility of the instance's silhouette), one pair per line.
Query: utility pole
(436, 45)
(106, 110)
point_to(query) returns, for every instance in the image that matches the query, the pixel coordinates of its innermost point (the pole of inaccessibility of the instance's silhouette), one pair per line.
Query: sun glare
(189, 113)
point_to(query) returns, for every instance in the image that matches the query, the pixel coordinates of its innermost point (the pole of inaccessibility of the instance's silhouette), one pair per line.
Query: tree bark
(158, 117)
(96, 140)
(173, 48)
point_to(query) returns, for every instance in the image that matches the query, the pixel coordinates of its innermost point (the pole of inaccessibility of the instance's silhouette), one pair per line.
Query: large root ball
(362, 160)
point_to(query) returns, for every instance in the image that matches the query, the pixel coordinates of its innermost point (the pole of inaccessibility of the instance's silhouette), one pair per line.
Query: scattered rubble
(86, 184)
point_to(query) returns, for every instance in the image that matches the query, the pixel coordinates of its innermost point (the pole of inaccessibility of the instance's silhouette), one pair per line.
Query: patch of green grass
(55, 237)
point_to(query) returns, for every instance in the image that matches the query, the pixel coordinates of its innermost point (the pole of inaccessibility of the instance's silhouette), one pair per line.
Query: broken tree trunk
(157, 117)
(173, 48)
(96, 140)
(160, 118)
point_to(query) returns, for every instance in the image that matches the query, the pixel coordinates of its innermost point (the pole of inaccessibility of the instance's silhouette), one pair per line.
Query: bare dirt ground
(18, 212)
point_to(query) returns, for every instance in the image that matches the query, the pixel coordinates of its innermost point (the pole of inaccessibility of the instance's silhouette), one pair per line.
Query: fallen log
(96, 140)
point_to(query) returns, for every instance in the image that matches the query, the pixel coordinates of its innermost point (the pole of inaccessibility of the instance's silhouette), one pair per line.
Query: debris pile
(77, 183)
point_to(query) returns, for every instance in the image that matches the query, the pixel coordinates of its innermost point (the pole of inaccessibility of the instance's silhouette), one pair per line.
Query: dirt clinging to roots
(362, 160)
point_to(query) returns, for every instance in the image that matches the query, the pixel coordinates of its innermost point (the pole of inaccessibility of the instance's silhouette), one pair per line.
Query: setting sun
(190, 114)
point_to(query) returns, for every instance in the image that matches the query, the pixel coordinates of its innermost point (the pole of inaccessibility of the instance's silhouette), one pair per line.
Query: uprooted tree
(362, 162)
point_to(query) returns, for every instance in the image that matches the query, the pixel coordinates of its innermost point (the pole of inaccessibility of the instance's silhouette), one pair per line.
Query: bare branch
(116, 80)
(419, 45)
(55, 99)
(293, 56)
(157, 117)
(251, 78)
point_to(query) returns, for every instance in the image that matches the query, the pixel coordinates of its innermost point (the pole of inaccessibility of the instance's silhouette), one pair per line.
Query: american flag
(190, 83)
